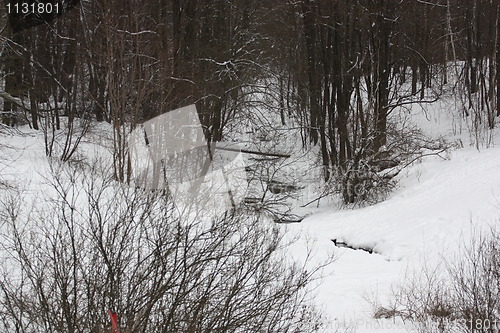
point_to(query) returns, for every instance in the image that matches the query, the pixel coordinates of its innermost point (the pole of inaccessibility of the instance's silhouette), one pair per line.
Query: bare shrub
(65, 141)
(422, 298)
(369, 177)
(476, 283)
(93, 244)
(460, 295)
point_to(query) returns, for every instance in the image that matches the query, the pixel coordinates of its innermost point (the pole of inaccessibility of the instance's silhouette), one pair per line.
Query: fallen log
(254, 152)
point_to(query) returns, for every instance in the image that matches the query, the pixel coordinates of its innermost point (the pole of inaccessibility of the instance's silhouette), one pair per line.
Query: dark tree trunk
(497, 64)
(383, 69)
(314, 89)
(13, 63)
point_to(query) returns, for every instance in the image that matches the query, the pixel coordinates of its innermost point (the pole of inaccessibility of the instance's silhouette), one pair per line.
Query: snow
(436, 204)
(429, 215)
(433, 205)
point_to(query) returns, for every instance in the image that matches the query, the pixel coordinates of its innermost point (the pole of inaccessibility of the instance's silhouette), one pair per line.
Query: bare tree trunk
(312, 76)
(497, 60)
(382, 56)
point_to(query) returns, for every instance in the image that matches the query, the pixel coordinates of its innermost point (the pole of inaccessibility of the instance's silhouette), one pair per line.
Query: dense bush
(90, 244)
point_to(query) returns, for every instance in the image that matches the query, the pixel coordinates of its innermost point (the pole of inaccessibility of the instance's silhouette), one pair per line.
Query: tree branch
(8, 97)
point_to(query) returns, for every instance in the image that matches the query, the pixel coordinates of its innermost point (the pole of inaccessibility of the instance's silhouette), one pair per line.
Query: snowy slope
(436, 205)
(428, 215)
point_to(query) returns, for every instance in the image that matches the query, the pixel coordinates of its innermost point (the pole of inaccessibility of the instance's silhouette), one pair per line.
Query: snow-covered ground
(426, 218)
(436, 204)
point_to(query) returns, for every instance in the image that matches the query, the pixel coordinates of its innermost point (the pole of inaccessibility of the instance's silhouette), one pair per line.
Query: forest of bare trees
(85, 242)
(338, 68)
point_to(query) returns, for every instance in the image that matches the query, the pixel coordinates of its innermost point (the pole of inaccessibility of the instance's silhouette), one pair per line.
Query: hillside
(438, 202)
